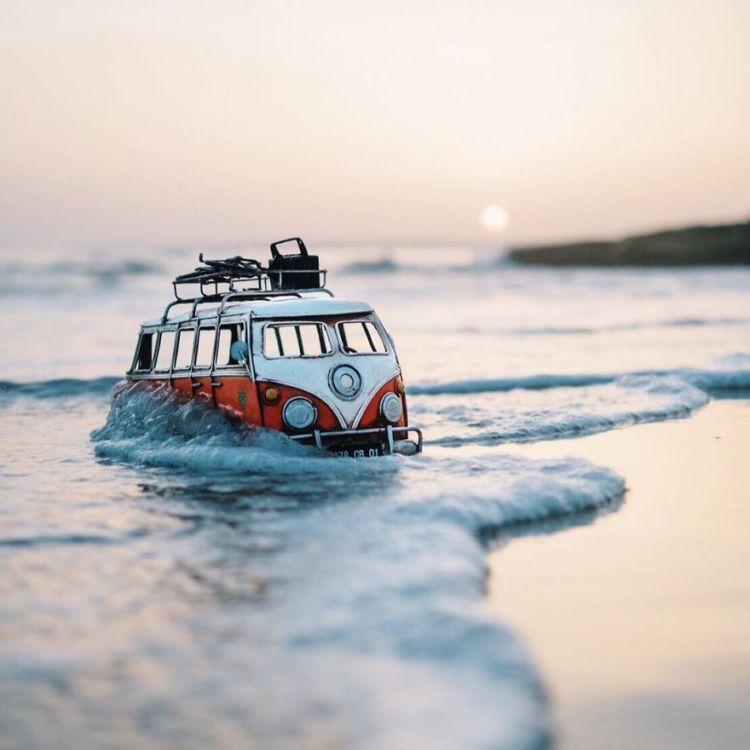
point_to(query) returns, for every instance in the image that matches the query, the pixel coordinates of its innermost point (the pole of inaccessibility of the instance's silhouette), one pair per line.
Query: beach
(172, 579)
(639, 619)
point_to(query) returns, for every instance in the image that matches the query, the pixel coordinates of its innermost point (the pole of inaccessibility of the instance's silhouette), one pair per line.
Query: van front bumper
(361, 442)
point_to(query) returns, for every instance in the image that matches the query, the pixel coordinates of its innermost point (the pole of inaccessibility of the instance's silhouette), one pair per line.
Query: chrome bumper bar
(386, 435)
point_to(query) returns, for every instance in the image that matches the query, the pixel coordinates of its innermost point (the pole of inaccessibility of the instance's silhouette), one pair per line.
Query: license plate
(369, 450)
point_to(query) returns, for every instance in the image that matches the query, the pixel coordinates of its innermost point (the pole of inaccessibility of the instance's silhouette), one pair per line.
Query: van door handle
(216, 384)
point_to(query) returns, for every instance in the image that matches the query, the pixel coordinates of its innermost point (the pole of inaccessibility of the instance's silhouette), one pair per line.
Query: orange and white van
(274, 347)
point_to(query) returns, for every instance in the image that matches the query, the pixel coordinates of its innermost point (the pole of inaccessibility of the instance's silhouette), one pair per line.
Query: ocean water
(173, 579)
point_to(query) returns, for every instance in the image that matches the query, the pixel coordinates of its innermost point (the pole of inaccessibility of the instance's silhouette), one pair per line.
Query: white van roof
(302, 308)
(279, 308)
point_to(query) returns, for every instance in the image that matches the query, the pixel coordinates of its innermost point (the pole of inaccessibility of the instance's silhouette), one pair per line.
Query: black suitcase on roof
(296, 271)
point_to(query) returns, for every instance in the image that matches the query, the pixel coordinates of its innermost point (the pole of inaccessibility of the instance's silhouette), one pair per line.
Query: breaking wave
(59, 387)
(381, 266)
(588, 330)
(526, 416)
(499, 410)
(722, 379)
(387, 591)
(524, 382)
(66, 278)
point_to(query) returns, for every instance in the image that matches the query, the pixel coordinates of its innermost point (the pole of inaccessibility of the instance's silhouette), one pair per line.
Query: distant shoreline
(724, 244)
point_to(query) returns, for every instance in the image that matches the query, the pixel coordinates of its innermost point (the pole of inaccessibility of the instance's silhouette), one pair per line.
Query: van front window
(360, 337)
(296, 340)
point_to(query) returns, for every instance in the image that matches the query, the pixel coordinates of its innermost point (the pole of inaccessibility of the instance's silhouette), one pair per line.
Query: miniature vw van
(274, 347)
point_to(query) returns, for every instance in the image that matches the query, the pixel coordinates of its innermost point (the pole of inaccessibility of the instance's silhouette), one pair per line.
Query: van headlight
(391, 408)
(299, 413)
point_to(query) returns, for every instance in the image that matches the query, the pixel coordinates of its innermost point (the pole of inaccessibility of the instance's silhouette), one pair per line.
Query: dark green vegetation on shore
(726, 244)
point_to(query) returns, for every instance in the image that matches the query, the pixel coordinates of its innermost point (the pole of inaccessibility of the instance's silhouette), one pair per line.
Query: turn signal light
(271, 394)
(400, 387)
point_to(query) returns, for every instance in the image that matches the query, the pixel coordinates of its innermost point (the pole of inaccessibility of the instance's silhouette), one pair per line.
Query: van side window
(228, 334)
(166, 348)
(296, 340)
(144, 355)
(185, 338)
(360, 337)
(204, 354)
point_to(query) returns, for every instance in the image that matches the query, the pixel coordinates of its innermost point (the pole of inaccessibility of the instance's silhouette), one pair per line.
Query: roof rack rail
(237, 296)
(285, 273)
(243, 279)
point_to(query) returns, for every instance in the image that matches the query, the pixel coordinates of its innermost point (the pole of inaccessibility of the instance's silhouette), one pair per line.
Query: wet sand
(640, 621)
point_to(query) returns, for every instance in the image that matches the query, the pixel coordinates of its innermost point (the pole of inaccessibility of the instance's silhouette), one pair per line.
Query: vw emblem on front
(346, 381)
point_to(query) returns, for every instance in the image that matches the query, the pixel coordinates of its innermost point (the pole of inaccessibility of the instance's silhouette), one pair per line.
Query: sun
(494, 218)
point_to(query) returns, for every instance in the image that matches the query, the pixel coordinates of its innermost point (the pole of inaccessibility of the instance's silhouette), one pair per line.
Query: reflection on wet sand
(639, 623)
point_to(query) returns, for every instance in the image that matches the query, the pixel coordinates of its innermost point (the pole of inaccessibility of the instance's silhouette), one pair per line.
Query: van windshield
(360, 337)
(296, 340)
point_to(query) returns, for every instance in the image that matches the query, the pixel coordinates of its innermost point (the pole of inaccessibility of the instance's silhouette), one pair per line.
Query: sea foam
(386, 591)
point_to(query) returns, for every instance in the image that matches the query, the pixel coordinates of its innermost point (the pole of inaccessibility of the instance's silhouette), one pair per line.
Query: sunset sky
(231, 121)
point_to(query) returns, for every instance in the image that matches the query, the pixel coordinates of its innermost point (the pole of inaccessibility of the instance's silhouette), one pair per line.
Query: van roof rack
(295, 272)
